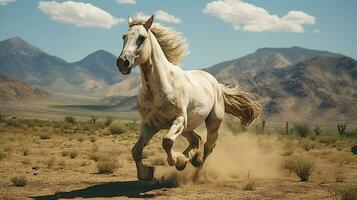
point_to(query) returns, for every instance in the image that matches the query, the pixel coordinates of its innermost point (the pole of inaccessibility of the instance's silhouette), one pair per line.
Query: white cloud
(5, 2)
(317, 31)
(126, 1)
(249, 17)
(162, 16)
(78, 13)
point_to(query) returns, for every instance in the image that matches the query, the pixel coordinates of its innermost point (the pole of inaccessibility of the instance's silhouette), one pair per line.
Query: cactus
(93, 119)
(341, 129)
(317, 130)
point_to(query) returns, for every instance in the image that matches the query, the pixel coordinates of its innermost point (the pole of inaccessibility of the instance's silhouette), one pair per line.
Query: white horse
(173, 99)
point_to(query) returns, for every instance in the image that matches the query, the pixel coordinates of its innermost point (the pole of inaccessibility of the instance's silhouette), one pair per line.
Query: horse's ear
(149, 22)
(130, 20)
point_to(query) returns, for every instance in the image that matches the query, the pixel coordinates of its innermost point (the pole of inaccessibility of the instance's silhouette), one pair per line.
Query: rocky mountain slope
(13, 91)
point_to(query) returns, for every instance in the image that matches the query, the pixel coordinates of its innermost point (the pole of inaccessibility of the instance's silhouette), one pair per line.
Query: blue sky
(215, 30)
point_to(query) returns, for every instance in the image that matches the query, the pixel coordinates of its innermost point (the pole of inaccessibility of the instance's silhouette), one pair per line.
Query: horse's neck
(154, 73)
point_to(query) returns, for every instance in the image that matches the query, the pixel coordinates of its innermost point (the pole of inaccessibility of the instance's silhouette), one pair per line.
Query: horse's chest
(159, 112)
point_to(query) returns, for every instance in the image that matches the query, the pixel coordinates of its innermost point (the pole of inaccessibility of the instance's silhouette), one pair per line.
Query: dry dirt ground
(60, 164)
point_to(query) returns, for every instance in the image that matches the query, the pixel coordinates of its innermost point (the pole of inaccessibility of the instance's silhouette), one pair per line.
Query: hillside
(89, 76)
(317, 88)
(13, 91)
(229, 72)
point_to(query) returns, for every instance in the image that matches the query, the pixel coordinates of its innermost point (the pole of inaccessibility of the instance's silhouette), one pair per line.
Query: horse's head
(136, 46)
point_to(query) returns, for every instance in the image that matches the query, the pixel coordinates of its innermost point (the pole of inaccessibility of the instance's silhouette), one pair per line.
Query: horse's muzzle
(124, 65)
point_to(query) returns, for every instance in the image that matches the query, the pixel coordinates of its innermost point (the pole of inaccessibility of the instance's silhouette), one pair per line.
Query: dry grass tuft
(50, 162)
(300, 166)
(344, 192)
(107, 166)
(159, 161)
(19, 181)
(73, 154)
(44, 136)
(117, 128)
(250, 186)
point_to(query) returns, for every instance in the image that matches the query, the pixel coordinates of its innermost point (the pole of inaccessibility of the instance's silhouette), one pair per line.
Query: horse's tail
(239, 104)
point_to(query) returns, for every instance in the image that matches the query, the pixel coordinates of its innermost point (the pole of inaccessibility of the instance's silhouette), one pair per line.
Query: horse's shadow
(131, 189)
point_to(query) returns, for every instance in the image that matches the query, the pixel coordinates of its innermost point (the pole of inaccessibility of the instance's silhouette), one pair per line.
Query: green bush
(69, 119)
(302, 129)
(117, 128)
(108, 121)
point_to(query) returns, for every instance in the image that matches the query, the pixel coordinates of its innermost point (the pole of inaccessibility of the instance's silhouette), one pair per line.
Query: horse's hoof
(196, 161)
(148, 173)
(181, 163)
(167, 143)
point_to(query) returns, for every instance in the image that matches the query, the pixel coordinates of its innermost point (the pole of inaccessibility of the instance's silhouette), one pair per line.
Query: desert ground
(81, 159)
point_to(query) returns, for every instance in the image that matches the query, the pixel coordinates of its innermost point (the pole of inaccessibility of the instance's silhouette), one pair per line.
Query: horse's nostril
(126, 63)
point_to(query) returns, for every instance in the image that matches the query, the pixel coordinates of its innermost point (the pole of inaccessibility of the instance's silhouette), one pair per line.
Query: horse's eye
(141, 39)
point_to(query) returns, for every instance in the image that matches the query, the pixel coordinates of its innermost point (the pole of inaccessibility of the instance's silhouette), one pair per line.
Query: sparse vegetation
(250, 186)
(50, 162)
(19, 181)
(317, 131)
(107, 166)
(69, 119)
(2, 155)
(159, 161)
(344, 191)
(44, 136)
(108, 121)
(73, 154)
(302, 129)
(300, 166)
(117, 128)
(341, 128)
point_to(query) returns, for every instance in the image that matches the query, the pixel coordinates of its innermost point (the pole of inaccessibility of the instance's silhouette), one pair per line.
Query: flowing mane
(172, 43)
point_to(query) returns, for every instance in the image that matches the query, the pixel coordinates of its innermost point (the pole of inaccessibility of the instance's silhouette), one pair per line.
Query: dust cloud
(242, 156)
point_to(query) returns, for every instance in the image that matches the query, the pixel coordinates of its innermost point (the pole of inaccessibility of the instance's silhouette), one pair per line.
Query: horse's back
(203, 93)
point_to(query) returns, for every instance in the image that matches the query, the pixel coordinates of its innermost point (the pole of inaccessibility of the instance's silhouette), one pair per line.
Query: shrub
(250, 186)
(93, 139)
(302, 129)
(50, 162)
(97, 156)
(69, 119)
(158, 161)
(19, 181)
(108, 121)
(25, 152)
(302, 167)
(340, 176)
(107, 166)
(344, 192)
(308, 145)
(133, 126)
(2, 155)
(64, 153)
(117, 128)
(73, 154)
(44, 136)
(80, 139)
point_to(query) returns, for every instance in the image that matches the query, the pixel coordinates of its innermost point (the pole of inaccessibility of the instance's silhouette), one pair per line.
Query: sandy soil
(237, 161)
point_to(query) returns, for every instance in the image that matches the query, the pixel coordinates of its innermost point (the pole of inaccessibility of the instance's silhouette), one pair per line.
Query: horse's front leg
(175, 158)
(144, 172)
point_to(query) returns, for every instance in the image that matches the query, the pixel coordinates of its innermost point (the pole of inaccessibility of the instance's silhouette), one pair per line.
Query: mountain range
(89, 76)
(14, 91)
(290, 83)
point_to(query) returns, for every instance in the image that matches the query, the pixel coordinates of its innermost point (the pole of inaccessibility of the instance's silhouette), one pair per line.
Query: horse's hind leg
(213, 122)
(194, 142)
